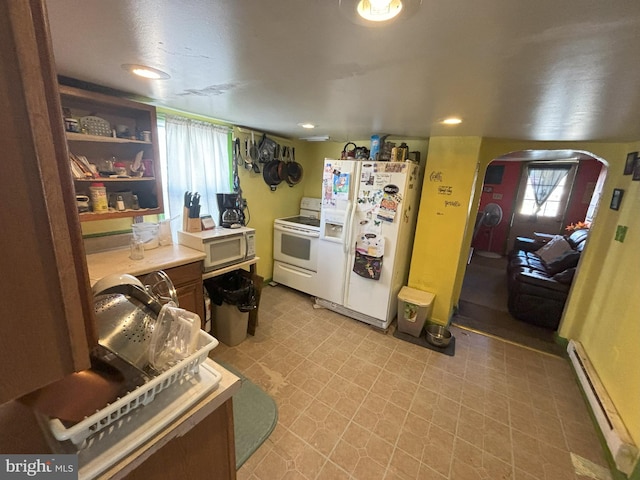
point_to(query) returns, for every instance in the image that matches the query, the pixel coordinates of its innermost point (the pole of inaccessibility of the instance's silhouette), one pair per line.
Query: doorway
(570, 198)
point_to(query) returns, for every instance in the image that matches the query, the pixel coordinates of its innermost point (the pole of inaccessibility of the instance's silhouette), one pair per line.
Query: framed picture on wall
(616, 198)
(636, 169)
(630, 163)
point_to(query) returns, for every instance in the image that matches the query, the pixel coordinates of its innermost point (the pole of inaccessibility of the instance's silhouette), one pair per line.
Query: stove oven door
(296, 246)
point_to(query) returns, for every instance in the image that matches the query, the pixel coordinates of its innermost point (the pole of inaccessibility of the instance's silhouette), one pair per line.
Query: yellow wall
(604, 308)
(438, 247)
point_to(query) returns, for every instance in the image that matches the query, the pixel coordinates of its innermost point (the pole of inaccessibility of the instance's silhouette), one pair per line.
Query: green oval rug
(255, 415)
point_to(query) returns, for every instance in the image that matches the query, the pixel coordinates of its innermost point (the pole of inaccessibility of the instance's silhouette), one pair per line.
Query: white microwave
(223, 246)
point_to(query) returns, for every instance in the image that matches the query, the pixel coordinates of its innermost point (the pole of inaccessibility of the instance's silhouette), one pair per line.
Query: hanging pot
(270, 174)
(294, 170)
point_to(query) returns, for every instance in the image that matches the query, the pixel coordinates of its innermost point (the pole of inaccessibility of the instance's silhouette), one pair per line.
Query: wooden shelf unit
(137, 117)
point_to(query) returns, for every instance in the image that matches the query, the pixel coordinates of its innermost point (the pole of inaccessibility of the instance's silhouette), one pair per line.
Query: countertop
(117, 261)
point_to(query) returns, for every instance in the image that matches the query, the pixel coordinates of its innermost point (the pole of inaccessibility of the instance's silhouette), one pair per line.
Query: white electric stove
(295, 247)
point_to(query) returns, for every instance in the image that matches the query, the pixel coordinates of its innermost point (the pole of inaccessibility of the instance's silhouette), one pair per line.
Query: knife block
(190, 224)
(194, 225)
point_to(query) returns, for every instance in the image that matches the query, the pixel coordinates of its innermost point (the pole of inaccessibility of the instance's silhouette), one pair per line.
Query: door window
(542, 199)
(544, 190)
(550, 208)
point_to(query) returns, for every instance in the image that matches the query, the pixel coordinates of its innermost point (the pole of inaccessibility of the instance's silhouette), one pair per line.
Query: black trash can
(233, 296)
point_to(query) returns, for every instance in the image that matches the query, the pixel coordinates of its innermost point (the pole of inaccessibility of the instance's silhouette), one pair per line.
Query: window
(550, 208)
(194, 158)
(545, 190)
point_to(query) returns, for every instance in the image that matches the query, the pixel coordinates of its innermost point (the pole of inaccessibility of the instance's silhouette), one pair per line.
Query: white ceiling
(514, 69)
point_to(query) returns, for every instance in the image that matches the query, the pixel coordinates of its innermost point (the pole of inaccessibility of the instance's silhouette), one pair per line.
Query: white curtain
(544, 180)
(197, 160)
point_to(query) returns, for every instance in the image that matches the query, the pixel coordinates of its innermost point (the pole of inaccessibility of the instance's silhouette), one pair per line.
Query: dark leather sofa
(538, 289)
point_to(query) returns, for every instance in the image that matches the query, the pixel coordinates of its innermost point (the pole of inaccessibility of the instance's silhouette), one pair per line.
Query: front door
(549, 217)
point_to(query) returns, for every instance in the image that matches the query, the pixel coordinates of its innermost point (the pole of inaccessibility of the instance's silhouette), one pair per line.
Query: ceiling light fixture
(451, 121)
(373, 13)
(307, 125)
(379, 10)
(146, 72)
(317, 138)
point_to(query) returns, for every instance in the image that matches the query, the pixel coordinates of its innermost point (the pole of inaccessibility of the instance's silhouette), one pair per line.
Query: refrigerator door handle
(347, 228)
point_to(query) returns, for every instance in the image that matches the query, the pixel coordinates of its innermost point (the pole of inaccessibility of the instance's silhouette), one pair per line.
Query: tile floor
(355, 403)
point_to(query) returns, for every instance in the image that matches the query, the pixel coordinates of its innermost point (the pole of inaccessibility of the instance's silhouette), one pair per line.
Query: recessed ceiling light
(373, 13)
(307, 125)
(379, 10)
(146, 72)
(451, 121)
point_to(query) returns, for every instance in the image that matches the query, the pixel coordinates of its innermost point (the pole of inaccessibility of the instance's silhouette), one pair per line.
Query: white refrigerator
(367, 223)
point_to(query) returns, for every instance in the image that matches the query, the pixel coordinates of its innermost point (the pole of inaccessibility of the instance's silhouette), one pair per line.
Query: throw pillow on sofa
(559, 264)
(553, 249)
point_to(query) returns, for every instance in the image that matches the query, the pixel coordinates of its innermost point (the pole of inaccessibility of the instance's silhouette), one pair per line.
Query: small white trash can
(229, 324)
(414, 307)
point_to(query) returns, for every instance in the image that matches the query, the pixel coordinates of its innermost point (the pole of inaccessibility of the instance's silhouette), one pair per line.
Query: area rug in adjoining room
(255, 415)
(486, 286)
(502, 325)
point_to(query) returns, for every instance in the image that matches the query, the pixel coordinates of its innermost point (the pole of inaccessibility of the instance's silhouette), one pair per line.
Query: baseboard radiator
(622, 448)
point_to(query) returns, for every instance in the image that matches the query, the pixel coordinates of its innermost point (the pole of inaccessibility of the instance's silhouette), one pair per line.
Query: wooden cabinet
(47, 314)
(113, 132)
(206, 452)
(188, 282)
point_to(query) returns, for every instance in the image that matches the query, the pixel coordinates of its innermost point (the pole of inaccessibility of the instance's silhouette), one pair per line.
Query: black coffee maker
(231, 208)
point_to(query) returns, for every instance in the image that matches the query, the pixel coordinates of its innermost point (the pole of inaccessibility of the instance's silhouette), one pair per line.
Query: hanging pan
(279, 157)
(294, 170)
(270, 174)
(282, 166)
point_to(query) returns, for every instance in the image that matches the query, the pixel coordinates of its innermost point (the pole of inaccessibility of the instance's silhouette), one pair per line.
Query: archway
(483, 303)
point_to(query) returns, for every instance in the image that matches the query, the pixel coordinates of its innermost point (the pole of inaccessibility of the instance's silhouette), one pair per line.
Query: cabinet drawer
(185, 273)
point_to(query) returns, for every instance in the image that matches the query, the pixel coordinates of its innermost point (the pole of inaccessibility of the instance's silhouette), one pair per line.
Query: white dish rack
(114, 414)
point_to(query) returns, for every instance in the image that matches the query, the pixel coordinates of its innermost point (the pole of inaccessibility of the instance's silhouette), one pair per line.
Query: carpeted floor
(485, 286)
(483, 307)
(255, 415)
